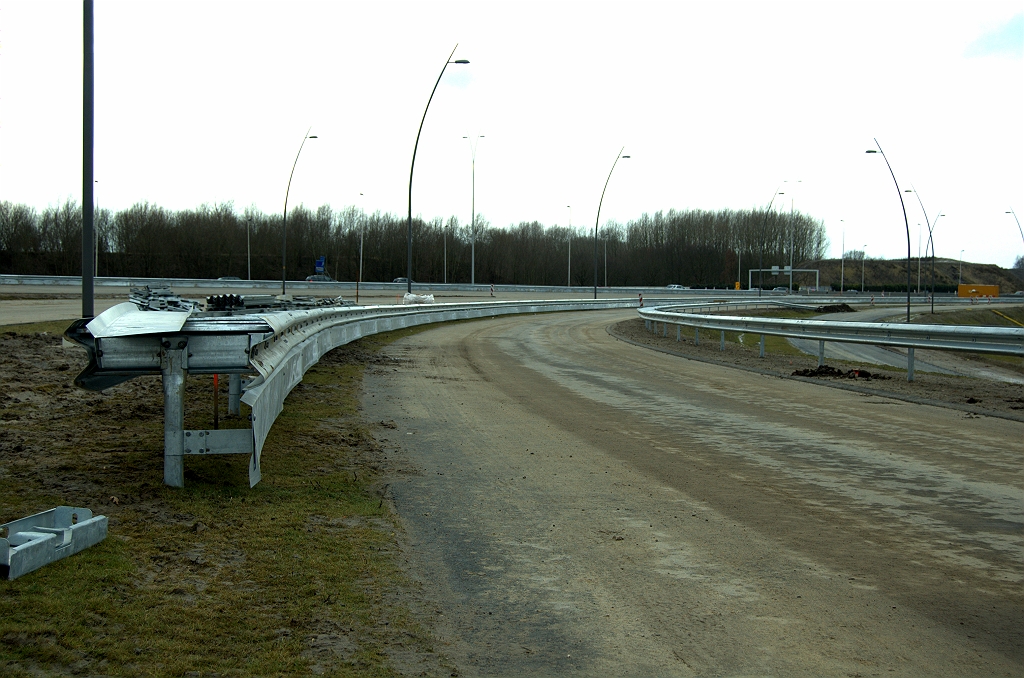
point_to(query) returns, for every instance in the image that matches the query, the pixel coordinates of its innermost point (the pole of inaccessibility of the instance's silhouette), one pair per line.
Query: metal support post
(173, 364)
(821, 352)
(679, 332)
(722, 348)
(696, 336)
(762, 347)
(910, 364)
(234, 394)
(665, 328)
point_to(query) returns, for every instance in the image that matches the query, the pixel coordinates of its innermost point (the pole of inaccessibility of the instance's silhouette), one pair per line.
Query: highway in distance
(576, 505)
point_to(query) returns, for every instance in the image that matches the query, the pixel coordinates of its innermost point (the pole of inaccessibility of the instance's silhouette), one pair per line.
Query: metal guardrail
(273, 349)
(972, 338)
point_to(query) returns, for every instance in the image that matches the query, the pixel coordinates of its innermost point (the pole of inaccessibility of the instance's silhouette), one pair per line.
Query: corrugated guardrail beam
(972, 338)
(124, 342)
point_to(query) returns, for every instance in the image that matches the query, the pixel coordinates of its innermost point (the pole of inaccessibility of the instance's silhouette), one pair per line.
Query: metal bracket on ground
(30, 543)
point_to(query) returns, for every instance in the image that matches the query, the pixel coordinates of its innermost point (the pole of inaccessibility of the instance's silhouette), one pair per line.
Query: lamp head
(871, 150)
(312, 136)
(459, 61)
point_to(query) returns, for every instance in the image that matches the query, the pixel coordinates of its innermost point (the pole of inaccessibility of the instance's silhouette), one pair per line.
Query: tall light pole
(960, 275)
(598, 219)
(931, 243)
(905, 222)
(764, 226)
(472, 218)
(1018, 223)
(568, 276)
(88, 138)
(412, 167)
(362, 227)
(284, 222)
(248, 247)
(863, 258)
(842, 261)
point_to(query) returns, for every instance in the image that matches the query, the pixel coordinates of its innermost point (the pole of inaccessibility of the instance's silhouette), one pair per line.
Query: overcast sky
(717, 103)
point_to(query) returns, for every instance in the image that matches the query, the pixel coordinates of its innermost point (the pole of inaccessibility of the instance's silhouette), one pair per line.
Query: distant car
(781, 290)
(319, 277)
(229, 277)
(1019, 293)
(403, 280)
(677, 287)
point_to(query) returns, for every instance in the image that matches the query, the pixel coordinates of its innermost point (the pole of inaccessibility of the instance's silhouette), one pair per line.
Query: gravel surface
(576, 505)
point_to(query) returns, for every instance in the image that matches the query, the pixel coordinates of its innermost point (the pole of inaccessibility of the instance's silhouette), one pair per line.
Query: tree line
(696, 248)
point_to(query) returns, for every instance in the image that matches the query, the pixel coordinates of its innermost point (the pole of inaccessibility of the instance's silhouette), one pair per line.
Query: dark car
(319, 277)
(403, 280)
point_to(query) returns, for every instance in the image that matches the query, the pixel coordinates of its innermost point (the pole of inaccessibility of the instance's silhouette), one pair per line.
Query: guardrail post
(664, 326)
(821, 352)
(173, 363)
(722, 347)
(762, 347)
(696, 336)
(234, 394)
(679, 332)
(648, 324)
(910, 364)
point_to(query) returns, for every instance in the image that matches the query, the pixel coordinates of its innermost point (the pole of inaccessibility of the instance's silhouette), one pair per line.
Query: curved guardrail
(278, 348)
(972, 338)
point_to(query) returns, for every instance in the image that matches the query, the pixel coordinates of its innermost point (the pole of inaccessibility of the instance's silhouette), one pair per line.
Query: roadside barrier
(271, 350)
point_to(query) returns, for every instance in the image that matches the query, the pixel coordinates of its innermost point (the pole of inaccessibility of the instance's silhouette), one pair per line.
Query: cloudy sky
(717, 103)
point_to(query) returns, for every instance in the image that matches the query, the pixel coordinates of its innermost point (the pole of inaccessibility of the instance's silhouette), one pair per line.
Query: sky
(718, 104)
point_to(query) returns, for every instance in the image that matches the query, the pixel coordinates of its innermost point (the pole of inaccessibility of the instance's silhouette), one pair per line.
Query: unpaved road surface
(577, 505)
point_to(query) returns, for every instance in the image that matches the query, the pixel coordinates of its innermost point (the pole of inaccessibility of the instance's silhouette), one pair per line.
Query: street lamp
(960, 275)
(905, 222)
(931, 243)
(284, 222)
(568, 278)
(472, 218)
(1018, 222)
(931, 225)
(598, 219)
(863, 258)
(764, 226)
(412, 167)
(359, 279)
(248, 247)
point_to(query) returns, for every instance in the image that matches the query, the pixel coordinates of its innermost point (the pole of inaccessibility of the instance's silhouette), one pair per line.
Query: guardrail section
(972, 338)
(272, 351)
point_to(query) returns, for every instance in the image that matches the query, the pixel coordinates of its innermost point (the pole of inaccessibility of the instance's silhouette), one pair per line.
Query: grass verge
(294, 576)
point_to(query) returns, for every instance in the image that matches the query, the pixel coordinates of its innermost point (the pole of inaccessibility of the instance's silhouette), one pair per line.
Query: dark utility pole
(88, 101)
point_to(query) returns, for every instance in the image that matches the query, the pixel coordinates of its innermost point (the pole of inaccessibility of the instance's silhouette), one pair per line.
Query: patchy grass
(986, 316)
(294, 576)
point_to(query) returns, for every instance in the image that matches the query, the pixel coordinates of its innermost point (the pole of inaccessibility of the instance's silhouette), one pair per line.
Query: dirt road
(578, 505)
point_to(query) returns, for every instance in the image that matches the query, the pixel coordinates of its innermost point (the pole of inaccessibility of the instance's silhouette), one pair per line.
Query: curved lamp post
(931, 243)
(764, 226)
(1018, 223)
(905, 222)
(284, 222)
(472, 218)
(598, 219)
(412, 167)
